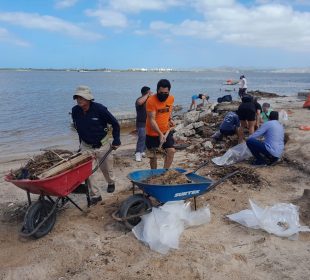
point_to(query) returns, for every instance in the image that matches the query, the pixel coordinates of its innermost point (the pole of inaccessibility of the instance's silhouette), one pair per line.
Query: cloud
(109, 18)
(5, 36)
(268, 25)
(63, 4)
(136, 6)
(49, 23)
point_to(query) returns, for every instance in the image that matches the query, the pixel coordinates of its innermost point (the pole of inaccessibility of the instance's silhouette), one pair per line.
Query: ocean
(35, 105)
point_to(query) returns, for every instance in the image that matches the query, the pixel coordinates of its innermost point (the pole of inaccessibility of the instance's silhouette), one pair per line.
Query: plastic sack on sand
(162, 228)
(283, 117)
(281, 219)
(235, 154)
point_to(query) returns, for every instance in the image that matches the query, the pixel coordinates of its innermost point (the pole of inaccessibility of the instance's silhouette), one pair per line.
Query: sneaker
(111, 188)
(138, 156)
(143, 154)
(258, 163)
(95, 199)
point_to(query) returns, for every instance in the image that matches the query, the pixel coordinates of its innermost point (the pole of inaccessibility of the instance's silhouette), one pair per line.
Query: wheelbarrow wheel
(134, 205)
(36, 214)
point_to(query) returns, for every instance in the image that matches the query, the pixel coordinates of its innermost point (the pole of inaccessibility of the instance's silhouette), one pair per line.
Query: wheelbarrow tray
(164, 193)
(59, 185)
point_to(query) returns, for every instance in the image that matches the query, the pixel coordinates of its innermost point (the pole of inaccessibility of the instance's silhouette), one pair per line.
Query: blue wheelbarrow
(139, 204)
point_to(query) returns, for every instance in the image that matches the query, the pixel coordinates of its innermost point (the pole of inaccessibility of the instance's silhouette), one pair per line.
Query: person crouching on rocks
(91, 121)
(195, 97)
(229, 126)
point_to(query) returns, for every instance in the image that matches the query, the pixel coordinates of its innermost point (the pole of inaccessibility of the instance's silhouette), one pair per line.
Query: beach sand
(94, 246)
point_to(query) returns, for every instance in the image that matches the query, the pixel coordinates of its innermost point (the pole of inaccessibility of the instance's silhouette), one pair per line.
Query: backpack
(225, 98)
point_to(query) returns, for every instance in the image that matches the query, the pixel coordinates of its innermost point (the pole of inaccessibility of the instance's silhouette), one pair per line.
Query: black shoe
(111, 188)
(95, 199)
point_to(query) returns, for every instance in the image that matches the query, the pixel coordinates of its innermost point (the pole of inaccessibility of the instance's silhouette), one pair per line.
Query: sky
(178, 34)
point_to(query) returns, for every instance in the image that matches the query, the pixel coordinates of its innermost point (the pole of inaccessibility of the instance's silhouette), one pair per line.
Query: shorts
(228, 132)
(242, 92)
(246, 112)
(152, 142)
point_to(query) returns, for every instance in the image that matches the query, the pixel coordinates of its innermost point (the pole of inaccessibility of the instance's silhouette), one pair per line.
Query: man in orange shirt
(158, 122)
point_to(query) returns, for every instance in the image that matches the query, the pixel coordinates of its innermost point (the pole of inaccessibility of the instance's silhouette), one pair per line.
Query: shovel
(195, 170)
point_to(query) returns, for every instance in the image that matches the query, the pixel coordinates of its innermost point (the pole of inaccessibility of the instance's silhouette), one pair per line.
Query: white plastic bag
(281, 219)
(235, 154)
(161, 229)
(283, 117)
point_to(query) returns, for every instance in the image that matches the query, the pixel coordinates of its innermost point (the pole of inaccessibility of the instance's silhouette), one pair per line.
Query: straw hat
(84, 92)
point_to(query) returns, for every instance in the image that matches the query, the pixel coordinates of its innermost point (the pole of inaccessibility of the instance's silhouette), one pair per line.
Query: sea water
(35, 105)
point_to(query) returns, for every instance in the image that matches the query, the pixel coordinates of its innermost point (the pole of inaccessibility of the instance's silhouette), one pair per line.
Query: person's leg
(152, 143)
(258, 149)
(168, 146)
(140, 148)
(107, 167)
(93, 190)
(251, 126)
(169, 157)
(240, 134)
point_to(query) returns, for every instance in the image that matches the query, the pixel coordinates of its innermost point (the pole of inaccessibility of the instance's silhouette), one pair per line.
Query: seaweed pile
(40, 163)
(170, 177)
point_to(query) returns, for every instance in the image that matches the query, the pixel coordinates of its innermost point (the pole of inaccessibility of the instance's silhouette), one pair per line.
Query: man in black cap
(91, 121)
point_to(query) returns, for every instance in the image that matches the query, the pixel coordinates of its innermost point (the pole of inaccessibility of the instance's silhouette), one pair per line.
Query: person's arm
(260, 132)
(143, 99)
(115, 129)
(151, 115)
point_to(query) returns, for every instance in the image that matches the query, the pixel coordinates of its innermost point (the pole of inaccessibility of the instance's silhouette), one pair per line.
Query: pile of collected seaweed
(170, 177)
(40, 163)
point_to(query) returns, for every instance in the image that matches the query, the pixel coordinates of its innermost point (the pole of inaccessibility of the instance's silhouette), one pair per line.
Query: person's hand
(171, 123)
(162, 138)
(114, 147)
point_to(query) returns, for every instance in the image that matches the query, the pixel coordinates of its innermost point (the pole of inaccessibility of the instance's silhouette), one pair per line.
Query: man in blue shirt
(91, 121)
(270, 150)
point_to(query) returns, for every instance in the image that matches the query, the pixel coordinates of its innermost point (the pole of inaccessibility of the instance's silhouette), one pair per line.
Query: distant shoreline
(160, 70)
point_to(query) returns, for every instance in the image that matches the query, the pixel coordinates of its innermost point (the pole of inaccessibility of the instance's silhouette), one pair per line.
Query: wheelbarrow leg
(78, 207)
(29, 198)
(87, 192)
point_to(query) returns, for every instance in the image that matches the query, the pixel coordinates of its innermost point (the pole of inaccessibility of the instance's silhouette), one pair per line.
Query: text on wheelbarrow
(187, 193)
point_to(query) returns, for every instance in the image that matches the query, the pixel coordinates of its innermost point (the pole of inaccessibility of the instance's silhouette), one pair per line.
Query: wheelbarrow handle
(195, 170)
(103, 159)
(221, 180)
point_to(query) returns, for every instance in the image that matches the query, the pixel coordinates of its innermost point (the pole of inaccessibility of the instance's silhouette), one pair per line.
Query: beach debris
(170, 177)
(281, 219)
(40, 163)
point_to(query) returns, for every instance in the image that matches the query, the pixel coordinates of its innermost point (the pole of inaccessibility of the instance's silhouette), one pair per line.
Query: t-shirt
(162, 111)
(273, 132)
(265, 116)
(141, 114)
(230, 122)
(195, 97)
(243, 83)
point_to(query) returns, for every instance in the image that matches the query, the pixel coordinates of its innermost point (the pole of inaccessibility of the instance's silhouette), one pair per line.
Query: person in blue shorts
(195, 97)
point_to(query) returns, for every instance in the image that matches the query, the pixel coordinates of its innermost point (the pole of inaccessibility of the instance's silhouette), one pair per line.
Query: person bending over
(195, 97)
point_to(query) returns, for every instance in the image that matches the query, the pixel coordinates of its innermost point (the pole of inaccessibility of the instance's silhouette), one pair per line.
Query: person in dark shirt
(247, 113)
(258, 109)
(229, 126)
(91, 121)
(140, 121)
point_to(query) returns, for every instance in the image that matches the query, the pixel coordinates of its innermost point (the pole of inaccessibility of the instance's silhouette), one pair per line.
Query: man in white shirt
(242, 86)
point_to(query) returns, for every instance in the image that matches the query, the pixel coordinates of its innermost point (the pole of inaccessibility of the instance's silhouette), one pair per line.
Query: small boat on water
(230, 82)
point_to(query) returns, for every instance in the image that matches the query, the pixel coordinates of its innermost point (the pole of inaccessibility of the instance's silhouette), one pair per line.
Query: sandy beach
(94, 246)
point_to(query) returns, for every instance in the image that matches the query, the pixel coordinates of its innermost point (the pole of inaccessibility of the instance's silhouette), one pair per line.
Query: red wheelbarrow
(41, 215)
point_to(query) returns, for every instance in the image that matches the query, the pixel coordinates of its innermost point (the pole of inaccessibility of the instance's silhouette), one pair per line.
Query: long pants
(106, 167)
(259, 151)
(140, 148)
